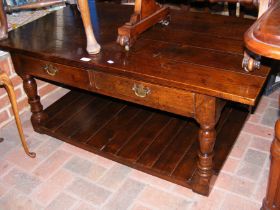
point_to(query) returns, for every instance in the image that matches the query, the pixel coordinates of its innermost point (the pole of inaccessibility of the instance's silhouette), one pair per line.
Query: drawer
(52, 71)
(152, 95)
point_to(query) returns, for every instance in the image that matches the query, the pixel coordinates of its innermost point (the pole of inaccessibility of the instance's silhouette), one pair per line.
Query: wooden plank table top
(195, 52)
(190, 68)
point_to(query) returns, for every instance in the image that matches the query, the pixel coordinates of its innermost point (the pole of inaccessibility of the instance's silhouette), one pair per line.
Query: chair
(6, 82)
(10, 9)
(92, 46)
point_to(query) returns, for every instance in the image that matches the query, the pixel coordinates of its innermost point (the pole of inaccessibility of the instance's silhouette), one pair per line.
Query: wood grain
(159, 143)
(205, 57)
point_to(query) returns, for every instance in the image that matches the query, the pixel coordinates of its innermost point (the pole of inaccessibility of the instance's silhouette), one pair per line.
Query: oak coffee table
(172, 106)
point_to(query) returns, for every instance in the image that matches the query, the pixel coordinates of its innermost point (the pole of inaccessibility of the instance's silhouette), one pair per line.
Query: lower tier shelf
(156, 142)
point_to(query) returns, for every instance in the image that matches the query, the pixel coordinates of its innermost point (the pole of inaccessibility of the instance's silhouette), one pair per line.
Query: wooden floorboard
(71, 126)
(67, 112)
(127, 132)
(144, 137)
(150, 156)
(158, 143)
(186, 168)
(67, 100)
(94, 124)
(194, 55)
(173, 154)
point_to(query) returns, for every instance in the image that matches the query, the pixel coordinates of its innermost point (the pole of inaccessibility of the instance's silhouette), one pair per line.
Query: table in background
(263, 38)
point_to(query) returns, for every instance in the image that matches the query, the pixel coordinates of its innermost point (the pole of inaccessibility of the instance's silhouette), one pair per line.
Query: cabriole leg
(4, 79)
(92, 46)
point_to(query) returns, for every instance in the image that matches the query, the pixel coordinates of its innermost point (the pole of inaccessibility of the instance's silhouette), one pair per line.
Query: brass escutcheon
(50, 69)
(140, 90)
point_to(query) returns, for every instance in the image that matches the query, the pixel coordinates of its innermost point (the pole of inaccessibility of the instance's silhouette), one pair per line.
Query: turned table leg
(272, 198)
(30, 88)
(4, 79)
(207, 113)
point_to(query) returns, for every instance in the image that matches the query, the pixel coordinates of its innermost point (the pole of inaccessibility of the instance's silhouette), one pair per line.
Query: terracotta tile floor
(65, 177)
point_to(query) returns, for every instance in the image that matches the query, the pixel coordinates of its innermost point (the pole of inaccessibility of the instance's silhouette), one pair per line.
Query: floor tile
(47, 167)
(213, 202)
(119, 172)
(249, 171)
(270, 116)
(125, 195)
(138, 206)
(63, 176)
(233, 202)
(255, 157)
(5, 167)
(149, 179)
(84, 206)
(163, 200)
(261, 144)
(15, 200)
(3, 189)
(78, 165)
(240, 145)
(49, 189)
(89, 191)
(242, 186)
(62, 202)
(259, 130)
(22, 181)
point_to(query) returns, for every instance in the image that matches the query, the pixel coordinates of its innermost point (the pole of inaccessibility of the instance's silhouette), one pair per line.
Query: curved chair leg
(4, 80)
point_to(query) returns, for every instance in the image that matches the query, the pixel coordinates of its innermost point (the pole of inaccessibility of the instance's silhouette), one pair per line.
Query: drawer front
(156, 96)
(52, 71)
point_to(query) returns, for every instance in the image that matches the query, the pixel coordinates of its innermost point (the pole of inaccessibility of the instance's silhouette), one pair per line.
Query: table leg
(30, 88)
(272, 198)
(207, 113)
(92, 46)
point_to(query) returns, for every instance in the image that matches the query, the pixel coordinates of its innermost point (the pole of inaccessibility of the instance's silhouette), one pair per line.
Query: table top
(196, 52)
(263, 37)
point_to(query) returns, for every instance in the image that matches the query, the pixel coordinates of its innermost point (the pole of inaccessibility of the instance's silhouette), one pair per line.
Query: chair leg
(4, 79)
(3, 22)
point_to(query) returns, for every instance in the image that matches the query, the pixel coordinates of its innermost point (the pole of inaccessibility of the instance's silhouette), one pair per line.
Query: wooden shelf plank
(156, 142)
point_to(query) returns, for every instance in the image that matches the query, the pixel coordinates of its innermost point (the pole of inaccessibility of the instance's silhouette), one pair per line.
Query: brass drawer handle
(50, 69)
(140, 90)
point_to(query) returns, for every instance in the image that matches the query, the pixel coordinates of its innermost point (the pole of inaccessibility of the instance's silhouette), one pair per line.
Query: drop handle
(140, 90)
(50, 69)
